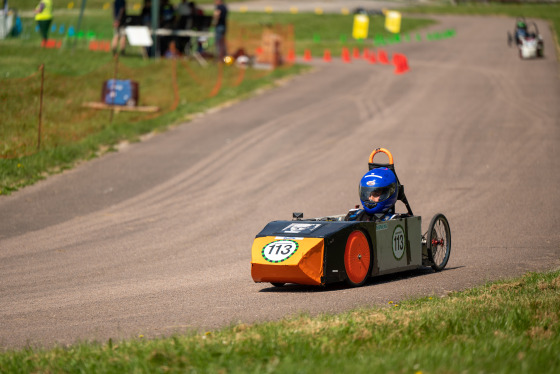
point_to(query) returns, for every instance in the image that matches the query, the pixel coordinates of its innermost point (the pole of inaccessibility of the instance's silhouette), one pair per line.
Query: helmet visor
(377, 194)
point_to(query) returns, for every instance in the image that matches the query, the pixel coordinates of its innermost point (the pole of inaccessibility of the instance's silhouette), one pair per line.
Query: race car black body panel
(335, 236)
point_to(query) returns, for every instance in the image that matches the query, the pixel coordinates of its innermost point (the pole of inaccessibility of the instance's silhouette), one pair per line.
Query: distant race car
(324, 250)
(527, 39)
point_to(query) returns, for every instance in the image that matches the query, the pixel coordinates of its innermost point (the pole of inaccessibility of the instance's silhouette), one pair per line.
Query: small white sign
(139, 36)
(300, 228)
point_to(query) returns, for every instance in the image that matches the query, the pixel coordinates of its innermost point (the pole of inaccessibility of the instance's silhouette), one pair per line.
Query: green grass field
(506, 327)
(74, 75)
(549, 12)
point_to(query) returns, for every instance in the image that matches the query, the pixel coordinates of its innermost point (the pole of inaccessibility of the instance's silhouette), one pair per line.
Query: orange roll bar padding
(386, 151)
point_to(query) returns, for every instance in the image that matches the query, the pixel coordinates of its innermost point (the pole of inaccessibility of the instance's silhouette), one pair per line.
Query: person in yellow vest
(43, 16)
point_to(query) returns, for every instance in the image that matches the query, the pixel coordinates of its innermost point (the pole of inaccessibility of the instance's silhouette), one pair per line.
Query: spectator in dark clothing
(195, 12)
(146, 15)
(194, 9)
(119, 37)
(220, 23)
(166, 21)
(166, 15)
(184, 9)
(184, 22)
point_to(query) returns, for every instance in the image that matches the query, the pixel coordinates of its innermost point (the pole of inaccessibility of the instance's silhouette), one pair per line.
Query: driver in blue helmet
(378, 193)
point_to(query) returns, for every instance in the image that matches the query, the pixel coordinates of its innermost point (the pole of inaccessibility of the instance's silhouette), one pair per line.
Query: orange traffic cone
(307, 55)
(345, 55)
(366, 54)
(401, 63)
(383, 57)
(356, 52)
(291, 55)
(93, 45)
(327, 56)
(372, 59)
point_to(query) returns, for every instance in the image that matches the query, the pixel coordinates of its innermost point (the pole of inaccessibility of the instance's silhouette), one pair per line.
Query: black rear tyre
(540, 50)
(438, 242)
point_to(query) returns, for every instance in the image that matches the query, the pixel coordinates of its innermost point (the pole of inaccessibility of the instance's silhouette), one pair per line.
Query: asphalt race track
(156, 238)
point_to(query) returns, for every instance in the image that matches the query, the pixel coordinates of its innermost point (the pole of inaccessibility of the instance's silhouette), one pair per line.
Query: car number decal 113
(398, 242)
(279, 250)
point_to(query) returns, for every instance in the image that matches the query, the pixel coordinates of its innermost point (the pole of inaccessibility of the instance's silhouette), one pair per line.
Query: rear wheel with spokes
(438, 241)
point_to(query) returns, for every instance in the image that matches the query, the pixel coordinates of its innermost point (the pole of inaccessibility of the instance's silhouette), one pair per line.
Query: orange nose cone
(287, 261)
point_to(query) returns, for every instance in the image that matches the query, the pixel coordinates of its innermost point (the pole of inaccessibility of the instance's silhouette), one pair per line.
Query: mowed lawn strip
(549, 12)
(511, 326)
(73, 75)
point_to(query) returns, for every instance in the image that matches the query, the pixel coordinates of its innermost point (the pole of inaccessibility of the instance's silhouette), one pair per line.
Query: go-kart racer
(520, 31)
(378, 195)
(528, 40)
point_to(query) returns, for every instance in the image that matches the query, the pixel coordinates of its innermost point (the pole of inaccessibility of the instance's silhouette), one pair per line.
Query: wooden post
(42, 68)
(114, 93)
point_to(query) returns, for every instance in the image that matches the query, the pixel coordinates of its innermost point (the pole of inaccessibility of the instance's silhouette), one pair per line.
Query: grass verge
(511, 326)
(549, 12)
(317, 33)
(70, 133)
(74, 75)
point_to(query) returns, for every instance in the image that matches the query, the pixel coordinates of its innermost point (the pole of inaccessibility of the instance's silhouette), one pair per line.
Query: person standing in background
(219, 21)
(43, 16)
(196, 12)
(146, 15)
(119, 37)
(183, 10)
(166, 21)
(184, 21)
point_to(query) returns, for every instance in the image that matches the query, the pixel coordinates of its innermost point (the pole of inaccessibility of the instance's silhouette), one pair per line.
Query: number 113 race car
(355, 246)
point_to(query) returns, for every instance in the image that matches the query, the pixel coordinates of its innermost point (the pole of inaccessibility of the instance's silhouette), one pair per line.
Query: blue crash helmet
(378, 184)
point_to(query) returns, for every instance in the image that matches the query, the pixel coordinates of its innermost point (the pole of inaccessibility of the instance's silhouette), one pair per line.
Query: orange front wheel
(357, 259)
